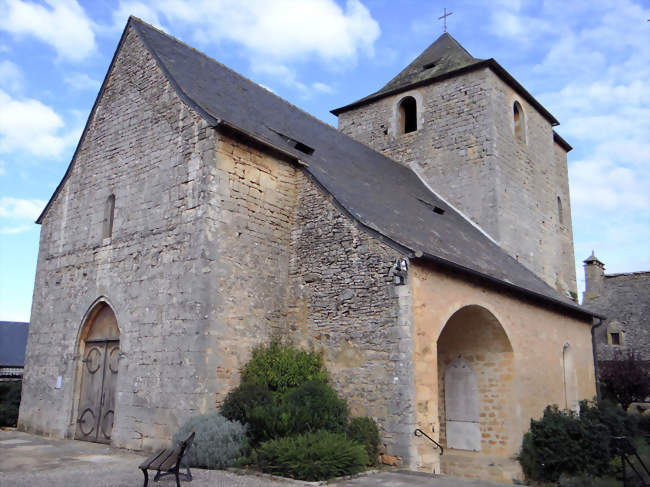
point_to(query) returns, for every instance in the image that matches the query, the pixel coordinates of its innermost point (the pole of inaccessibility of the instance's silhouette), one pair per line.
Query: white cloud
(284, 30)
(322, 87)
(82, 82)
(15, 230)
(11, 77)
(63, 24)
(20, 209)
(30, 126)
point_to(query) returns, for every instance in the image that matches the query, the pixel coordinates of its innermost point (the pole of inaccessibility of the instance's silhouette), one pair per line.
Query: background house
(13, 341)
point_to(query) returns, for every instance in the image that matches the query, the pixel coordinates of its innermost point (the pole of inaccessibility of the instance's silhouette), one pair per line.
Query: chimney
(594, 277)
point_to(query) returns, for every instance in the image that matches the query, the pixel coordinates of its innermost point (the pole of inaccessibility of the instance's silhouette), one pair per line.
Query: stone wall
(466, 150)
(625, 300)
(145, 147)
(345, 304)
(196, 268)
(249, 219)
(513, 387)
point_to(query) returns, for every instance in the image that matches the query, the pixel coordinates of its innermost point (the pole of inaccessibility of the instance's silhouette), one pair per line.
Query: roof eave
(487, 63)
(513, 287)
(561, 142)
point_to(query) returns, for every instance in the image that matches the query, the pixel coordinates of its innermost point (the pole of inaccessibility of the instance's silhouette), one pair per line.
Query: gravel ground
(34, 461)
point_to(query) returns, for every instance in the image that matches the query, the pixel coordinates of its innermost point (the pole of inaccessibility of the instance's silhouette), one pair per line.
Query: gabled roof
(443, 59)
(385, 198)
(13, 340)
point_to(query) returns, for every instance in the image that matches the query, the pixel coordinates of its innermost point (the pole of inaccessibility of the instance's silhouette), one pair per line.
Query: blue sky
(587, 62)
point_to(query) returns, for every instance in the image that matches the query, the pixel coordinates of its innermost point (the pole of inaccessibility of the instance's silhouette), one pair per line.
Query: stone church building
(425, 247)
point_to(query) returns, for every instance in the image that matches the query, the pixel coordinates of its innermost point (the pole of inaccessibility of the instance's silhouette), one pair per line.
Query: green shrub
(312, 406)
(240, 401)
(9, 402)
(218, 443)
(313, 456)
(282, 367)
(364, 431)
(643, 424)
(564, 443)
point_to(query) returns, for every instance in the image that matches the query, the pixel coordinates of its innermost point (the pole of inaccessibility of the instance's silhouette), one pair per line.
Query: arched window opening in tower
(408, 115)
(108, 216)
(518, 114)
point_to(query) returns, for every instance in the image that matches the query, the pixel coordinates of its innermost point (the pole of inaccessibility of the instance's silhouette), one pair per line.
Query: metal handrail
(418, 432)
(626, 449)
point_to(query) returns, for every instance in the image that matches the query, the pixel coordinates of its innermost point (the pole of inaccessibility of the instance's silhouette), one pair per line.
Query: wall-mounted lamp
(398, 271)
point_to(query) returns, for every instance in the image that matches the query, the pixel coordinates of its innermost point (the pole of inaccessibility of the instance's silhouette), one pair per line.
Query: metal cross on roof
(444, 18)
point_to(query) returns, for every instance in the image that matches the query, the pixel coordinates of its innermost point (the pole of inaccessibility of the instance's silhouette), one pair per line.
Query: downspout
(596, 323)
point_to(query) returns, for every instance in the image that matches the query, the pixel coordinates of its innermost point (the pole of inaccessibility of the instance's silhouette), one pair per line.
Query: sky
(587, 62)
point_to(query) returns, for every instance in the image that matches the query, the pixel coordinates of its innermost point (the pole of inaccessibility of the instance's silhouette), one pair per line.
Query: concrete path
(33, 461)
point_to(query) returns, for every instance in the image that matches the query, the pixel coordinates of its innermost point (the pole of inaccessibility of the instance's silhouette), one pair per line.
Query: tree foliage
(625, 378)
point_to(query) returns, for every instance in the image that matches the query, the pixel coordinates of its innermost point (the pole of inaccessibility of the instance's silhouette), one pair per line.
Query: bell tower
(483, 143)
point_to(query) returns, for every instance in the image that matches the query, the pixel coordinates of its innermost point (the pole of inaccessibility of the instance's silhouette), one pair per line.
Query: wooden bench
(169, 462)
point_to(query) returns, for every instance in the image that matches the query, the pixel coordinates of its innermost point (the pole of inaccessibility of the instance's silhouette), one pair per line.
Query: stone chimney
(594, 277)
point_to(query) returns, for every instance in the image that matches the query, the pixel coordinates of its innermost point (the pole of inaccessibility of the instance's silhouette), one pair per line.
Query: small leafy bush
(312, 406)
(643, 424)
(313, 456)
(364, 431)
(243, 399)
(9, 402)
(564, 443)
(283, 367)
(218, 443)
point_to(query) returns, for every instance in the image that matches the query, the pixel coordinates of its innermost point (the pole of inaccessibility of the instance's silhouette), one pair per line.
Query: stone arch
(408, 115)
(474, 338)
(98, 354)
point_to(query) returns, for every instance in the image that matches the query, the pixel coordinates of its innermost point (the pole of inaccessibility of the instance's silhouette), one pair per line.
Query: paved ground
(34, 461)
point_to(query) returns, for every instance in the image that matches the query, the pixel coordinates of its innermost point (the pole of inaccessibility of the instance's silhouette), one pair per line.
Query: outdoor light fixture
(398, 271)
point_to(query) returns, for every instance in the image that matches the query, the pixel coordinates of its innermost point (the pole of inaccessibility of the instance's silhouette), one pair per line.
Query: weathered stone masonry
(466, 150)
(145, 147)
(345, 304)
(204, 222)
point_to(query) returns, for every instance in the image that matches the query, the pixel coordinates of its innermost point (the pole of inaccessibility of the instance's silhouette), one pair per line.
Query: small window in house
(108, 216)
(518, 115)
(560, 214)
(616, 338)
(408, 115)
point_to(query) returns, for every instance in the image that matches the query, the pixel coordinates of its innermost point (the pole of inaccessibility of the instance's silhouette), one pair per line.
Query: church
(425, 247)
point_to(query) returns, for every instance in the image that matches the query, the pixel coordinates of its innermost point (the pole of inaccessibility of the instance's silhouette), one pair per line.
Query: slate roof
(384, 197)
(443, 59)
(444, 56)
(13, 340)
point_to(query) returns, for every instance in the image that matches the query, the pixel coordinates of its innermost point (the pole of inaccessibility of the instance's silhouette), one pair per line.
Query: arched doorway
(476, 377)
(100, 347)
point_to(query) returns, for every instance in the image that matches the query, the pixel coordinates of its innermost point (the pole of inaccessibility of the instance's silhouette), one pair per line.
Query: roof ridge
(177, 40)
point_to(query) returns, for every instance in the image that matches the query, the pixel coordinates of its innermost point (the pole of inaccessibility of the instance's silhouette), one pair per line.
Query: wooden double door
(97, 397)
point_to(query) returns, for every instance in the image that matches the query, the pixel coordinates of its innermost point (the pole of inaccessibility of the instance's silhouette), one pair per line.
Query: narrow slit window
(109, 210)
(519, 126)
(408, 115)
(560, 214)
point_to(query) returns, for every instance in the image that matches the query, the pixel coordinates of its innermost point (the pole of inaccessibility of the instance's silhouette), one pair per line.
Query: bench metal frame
(169, 462)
